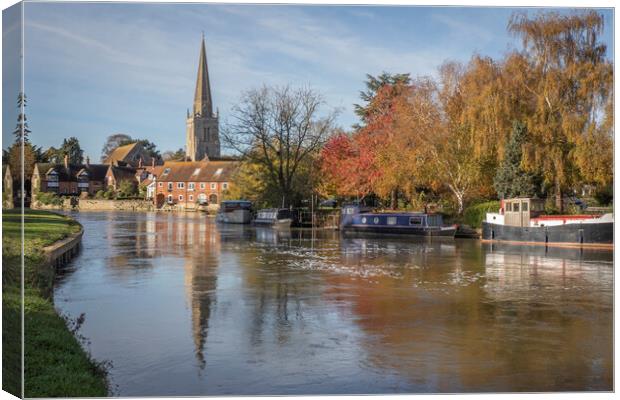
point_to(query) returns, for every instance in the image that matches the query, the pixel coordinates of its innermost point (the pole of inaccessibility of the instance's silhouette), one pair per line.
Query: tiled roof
(123, 173)
(196, 171)
(120, 153)
(96, 172)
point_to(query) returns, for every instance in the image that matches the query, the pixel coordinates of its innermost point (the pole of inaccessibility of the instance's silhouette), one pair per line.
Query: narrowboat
(275, 217)
(355, 219)
(521, 220)
(234, 212)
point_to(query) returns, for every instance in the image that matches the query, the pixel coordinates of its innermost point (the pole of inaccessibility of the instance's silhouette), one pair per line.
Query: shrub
(49, 198)
(605, 195)
(100, 194)
(474, 215)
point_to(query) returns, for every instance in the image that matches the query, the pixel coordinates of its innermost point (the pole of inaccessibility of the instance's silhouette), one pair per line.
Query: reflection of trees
(457, 318)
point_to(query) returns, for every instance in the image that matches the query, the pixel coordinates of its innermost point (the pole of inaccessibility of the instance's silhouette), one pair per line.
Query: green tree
(373, 86)
(511, 179)
(71, 147)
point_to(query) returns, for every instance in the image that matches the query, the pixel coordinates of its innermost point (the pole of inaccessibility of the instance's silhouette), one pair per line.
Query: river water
(182, 306)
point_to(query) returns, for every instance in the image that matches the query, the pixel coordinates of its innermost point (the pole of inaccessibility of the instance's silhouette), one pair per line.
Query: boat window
(509, 207)
(515, 207)
(376, 220)
(415, 221)
(364, 220)
(391, 220)
(349, 210)
(524, 206)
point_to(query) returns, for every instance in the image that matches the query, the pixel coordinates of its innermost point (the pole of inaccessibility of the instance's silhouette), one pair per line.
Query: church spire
(202, 96)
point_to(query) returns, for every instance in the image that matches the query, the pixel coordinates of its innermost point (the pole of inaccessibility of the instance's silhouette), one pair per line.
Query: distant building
(132, 154)
(190, 184)
(68, 179)
(203, 136)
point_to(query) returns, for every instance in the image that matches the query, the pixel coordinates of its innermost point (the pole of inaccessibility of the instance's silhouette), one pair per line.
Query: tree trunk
(394, 199)
(559, 203)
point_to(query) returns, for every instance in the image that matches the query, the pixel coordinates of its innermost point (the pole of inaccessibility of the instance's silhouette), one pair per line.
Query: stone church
(203, 136)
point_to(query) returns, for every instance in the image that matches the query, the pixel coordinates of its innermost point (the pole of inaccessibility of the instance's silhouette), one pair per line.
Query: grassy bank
(55, 363)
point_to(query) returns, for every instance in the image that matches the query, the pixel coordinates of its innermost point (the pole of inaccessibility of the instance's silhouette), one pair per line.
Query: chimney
(87, 161)
(140, 163)
(67, 161)
(153, 162)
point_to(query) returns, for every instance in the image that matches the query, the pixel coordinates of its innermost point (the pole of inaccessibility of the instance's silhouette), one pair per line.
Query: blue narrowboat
(355, 219)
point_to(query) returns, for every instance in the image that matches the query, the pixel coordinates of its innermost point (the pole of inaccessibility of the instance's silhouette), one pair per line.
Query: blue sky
(92, 70)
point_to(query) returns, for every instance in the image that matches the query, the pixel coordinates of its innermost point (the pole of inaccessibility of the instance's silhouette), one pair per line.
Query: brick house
(115, 175)
(189, 184)
(68, 179)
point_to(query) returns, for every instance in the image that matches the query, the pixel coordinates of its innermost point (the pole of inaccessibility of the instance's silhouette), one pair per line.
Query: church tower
(203, 136)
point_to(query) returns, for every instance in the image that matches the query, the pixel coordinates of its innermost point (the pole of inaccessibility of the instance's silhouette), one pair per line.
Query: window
(196, 172)
(180, 197)
(225, 185)
(213, 185)
(191, 186)
(213, 199)
(169, 198)
(191, 197)
(391, 220)
(515, 207)
(524, 206)
(166, 171)
(180, 185)
(161, 184)
(169, 186)
(375, 220)
(202, 198)
(508, 207)
(202, 185)
(415, 221)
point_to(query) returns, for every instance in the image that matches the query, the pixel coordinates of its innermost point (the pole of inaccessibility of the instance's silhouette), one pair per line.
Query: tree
(70, 147)
(111, 143)
(511, 180)
(279, 128)
(373, 85)
(170, 155)
(21, 131)
(569, 81)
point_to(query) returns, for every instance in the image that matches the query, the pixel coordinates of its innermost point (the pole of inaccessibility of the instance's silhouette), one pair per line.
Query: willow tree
(569, 80)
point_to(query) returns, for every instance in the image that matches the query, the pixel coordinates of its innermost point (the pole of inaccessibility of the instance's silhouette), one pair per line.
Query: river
(182, 306)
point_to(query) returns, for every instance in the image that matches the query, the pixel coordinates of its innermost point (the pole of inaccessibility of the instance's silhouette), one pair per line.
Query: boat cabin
(519, 211)
(232, 205)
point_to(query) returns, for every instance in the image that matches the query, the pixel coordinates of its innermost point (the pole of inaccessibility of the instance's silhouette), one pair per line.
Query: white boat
(234, 212)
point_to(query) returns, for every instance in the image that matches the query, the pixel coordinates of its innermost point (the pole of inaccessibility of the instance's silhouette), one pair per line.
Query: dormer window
(166, 171)
(218, 172)
(196, 172)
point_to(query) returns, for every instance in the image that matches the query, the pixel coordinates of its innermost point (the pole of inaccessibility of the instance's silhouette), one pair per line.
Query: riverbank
(56, 365)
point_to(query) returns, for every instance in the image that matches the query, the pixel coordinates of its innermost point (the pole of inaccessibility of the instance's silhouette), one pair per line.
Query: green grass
(56, 365)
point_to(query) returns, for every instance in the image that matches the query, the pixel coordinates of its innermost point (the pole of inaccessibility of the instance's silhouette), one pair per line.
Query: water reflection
(203, 309)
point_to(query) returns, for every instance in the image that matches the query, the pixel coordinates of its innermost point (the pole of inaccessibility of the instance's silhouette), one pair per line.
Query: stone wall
(109, 205)
(100, 205)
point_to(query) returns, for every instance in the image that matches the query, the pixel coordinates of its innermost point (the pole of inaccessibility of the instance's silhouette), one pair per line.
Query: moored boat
(355, 219)
(235, 212)
(521, 220)
(275, 217)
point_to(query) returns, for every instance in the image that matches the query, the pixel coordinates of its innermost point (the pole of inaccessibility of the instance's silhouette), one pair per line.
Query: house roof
(196, 171)
(120, 153)
(123, 173)
(96, 172)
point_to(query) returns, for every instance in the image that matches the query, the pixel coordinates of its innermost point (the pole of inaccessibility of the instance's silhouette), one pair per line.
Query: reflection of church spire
(201, 281)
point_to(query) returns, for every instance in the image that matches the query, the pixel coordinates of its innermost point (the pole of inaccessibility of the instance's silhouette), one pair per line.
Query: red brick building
(68, 179)
(189, 184)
